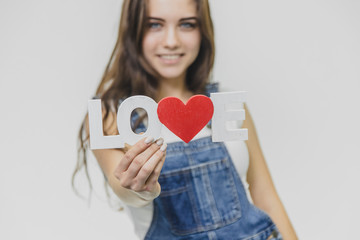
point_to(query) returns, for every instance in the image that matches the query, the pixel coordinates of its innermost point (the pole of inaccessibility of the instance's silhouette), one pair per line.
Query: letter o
(124, 114)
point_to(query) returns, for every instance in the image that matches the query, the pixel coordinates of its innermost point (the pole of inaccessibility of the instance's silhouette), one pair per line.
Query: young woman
(170, 189)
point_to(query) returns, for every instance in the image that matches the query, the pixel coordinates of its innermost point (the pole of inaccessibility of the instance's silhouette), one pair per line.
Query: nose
(171, 39)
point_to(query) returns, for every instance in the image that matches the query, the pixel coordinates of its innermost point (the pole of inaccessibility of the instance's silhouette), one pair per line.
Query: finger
(142, 158)
(134, 151)
(153, 178)
(150, 166)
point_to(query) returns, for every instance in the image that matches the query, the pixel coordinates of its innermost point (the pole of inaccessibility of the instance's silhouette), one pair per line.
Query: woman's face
(172, 40)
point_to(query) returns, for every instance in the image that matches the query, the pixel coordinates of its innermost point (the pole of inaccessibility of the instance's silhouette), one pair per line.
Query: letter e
(221, 116)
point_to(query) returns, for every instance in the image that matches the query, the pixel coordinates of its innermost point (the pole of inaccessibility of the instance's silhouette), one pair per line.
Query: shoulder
(248, 122)
(253, 141)
(247, 116)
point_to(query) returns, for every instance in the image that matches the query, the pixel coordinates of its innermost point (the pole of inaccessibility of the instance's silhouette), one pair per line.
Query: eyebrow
(188, 18)
(181, 19)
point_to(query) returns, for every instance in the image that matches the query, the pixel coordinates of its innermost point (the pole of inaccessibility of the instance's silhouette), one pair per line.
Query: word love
(184, 120)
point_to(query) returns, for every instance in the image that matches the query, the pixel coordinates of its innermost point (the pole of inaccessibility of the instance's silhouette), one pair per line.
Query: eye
(188, 25)
(154, 25)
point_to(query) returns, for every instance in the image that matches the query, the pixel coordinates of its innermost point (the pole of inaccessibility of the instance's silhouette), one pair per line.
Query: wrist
(149, 195)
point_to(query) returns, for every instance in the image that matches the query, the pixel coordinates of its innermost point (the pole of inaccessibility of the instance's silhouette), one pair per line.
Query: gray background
(298, 60)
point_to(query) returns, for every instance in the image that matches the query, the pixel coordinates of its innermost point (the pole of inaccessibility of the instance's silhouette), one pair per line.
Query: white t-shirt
(141, 217)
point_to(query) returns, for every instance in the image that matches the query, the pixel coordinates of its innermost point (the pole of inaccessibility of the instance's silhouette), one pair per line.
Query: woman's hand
(140, 167)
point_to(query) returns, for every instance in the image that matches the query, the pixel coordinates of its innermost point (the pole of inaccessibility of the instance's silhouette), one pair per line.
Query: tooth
(170, 57)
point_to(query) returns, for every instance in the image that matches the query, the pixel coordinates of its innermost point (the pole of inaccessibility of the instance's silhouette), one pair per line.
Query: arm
(132, 173)
(261, 186)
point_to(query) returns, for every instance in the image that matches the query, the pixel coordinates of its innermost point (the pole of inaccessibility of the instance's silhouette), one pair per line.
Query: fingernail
(160, 141)
(163, 147)
(149, 139)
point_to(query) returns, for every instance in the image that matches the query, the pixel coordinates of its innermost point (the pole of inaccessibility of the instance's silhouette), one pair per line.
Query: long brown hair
(128, 73)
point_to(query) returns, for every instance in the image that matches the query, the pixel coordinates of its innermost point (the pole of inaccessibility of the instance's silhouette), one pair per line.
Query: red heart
(185, 120)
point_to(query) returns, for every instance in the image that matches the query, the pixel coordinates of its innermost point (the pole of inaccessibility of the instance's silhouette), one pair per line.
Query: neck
(174, 88)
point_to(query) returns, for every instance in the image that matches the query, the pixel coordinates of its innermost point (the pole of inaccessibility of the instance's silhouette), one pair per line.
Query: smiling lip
(170, 58)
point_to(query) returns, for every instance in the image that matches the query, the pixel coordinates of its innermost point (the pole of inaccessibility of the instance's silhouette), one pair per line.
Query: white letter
(124, 113)
(221, 116)
(97, 138)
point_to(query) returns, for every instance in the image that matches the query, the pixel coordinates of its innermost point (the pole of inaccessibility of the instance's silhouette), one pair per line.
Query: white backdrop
(298, 60)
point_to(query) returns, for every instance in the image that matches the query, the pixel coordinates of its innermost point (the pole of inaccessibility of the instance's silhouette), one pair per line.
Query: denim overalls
(202, 196)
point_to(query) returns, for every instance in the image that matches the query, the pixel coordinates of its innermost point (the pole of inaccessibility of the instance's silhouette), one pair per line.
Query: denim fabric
(202, 196)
